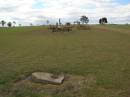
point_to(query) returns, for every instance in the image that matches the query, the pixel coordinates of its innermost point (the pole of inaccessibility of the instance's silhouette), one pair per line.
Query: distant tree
(78, 22)
(100, 21)
(14, 23)
(103, 20)
(20, 25)
(31, 24)
(74, 22)
(57, 23)
(47, 22)
(9, 24)
(60, 22)
(68, 24)
(3, 23)
(84, 19)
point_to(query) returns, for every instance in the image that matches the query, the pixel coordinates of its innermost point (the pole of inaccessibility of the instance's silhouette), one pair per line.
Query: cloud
(38, 11)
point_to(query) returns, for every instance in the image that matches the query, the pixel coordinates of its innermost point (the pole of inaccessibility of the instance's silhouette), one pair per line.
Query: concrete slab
(47, 78)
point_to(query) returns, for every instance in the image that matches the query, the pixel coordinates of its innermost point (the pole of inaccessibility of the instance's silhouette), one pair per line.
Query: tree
(47, 22)
(9, 24)
(60, 21)
(14, 23)
(20, 25)
(31, 24)
(74, 22)
(84, 20)
(100, 21)
(78, 22)
(68, 24)
(103, 20)
(3, 23)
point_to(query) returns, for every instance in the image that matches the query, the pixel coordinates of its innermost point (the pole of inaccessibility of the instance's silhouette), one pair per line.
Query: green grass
(102, 52)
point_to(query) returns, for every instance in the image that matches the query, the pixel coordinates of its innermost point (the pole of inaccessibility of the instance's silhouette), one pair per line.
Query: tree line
(83, 19)
(9, 24)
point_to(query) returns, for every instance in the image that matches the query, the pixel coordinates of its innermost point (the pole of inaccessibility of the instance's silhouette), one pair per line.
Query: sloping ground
(115, 28)
(96, 60)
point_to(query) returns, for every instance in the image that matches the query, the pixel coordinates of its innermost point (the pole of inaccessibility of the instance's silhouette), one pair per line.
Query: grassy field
(102, 55)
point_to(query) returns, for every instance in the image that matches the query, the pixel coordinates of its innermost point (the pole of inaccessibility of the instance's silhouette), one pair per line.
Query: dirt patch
(71, 84)
(125, 93)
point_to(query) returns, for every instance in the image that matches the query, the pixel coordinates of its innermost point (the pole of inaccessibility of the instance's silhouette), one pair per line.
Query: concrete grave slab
(47, 78)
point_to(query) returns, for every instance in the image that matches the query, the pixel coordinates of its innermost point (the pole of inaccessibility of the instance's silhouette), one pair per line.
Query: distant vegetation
(9, 24)
(82, 20)
(103, 20)
(2, 23)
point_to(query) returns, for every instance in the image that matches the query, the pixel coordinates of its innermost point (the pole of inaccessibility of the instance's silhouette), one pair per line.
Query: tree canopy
(103, 20)
(84, 19)
(3, 23)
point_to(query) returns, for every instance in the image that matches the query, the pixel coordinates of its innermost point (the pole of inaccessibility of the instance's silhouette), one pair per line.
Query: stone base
(47, 78)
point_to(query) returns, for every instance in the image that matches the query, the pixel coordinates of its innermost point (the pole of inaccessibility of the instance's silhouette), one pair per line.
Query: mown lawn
(102, 53)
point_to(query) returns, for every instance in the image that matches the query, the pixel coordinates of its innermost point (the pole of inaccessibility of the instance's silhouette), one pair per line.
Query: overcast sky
(38, 11)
